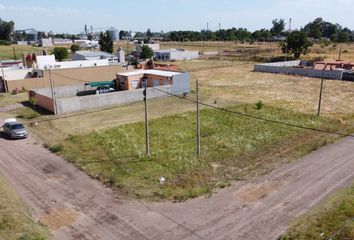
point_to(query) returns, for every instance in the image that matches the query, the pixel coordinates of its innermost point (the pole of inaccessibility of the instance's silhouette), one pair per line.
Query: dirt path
(77, 207)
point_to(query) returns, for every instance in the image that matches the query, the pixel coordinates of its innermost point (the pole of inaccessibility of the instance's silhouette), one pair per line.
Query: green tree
(314, 29)
(297, 43)
(75, 47)
(149, 33)
(60, 53)
(6, 30)
(278, 27)
(343, 37)
(106, 43)
(146, 52)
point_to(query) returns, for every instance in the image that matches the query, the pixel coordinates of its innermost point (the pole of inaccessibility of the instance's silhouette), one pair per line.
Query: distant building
(175, 55)
(32, 36)
(114, 33)
(47, 42)
(87, 43)
(60, 41)
(94, 55)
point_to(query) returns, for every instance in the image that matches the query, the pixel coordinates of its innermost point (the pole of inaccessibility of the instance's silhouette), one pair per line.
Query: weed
(259, 105)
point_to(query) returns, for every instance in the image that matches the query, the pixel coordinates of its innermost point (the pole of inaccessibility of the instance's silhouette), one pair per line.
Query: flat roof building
(93, 55)
(175, 55)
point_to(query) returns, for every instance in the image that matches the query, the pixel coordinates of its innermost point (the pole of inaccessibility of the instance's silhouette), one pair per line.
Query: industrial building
(114, 33)
(175, 55)
(94, 55)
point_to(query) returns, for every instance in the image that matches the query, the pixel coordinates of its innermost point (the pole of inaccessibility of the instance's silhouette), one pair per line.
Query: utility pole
(198, 120)
(52, 90)
(219, 42)
(3, 76)
(146, 120)
(340, 52)
(321, 91)
(15, 57)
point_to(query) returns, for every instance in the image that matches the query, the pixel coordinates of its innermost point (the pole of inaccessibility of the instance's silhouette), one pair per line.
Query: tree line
(317, 30)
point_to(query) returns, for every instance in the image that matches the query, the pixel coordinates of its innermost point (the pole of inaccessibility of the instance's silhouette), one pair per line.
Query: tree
(149, 33)
(314, 29)
(278, 27)
(106, 43)
(6, 30)
(297, 43)
(146, 52)
(75, 47)
(343, 37)
(60, 53)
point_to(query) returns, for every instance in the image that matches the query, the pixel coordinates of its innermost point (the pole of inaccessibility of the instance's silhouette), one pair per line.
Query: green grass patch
(333, 219)
(9, 99)
(15, 222)
(233, 148)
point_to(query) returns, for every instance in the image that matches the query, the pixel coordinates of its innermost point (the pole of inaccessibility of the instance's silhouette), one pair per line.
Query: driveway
(75, 206)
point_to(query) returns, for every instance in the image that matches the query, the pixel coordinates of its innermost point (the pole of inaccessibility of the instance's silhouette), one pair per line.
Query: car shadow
(3, 135)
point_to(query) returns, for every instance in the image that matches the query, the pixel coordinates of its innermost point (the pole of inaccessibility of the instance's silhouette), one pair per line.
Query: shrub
(56, 148)
(75, 47)
(60, 53)
(259, 105)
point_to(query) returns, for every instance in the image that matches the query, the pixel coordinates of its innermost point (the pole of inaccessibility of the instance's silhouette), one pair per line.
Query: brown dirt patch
(251, 194)
(59, 218)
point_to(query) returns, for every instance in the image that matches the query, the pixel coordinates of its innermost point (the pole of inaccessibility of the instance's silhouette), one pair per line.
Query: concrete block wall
(75, 104)
(290, 69)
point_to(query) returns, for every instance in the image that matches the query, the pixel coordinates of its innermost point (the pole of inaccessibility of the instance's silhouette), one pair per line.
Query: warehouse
(175, 55)
(94, 55)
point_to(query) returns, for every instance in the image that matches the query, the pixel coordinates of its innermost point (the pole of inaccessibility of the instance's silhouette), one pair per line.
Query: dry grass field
(237, 82)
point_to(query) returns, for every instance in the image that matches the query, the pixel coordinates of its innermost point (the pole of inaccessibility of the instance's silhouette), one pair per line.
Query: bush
(60, 53)
(146, 52)
(55, 148)
(259, 105)
(75, 47)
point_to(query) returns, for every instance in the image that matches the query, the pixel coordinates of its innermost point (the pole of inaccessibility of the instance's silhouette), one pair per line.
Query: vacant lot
(7, 99)
(232, 148)
(239, 83)
(15, 222)
(334, 219)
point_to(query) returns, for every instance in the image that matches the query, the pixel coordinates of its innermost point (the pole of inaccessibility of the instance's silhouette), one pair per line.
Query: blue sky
(165, 15)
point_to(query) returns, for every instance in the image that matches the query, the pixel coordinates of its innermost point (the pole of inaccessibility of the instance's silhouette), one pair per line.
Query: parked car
(14, 129)
(104, 89)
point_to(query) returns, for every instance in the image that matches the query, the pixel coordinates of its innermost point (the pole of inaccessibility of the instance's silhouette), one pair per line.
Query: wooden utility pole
(52, 90)
(340, 52)
(147, 142)
(198, 120)
(321, 92)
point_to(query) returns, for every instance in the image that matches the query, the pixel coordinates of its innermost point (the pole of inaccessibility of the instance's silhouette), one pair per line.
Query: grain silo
(114, 33)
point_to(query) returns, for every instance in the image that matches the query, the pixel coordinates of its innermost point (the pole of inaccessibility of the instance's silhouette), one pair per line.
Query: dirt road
(77, 207)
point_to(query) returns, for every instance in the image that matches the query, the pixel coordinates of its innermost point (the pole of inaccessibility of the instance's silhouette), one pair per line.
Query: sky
(70, 16)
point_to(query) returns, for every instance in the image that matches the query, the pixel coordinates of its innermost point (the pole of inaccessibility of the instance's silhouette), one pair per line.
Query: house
(175, 55)
(126, 88)
(155, 78)
(94, 55)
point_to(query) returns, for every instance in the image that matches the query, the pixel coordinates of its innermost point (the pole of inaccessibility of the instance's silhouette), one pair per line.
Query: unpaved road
(77, 207)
